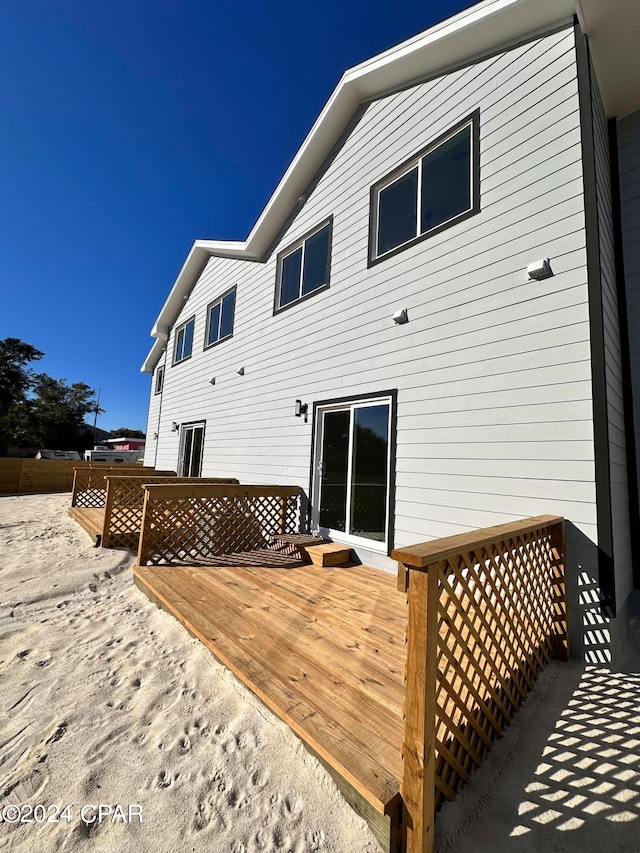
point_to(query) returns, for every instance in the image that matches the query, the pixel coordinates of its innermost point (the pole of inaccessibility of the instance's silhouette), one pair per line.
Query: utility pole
(95, 418)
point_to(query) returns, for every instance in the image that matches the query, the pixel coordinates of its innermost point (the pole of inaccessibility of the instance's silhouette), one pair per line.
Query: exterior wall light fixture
(539, 269)
(301, 408)
(155, 436)
(175, 427)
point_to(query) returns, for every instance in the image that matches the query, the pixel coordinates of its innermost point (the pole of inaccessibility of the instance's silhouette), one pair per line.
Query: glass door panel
(187, 444)
(369, 475)
(334, 470)
(196, 455)
(191, 454)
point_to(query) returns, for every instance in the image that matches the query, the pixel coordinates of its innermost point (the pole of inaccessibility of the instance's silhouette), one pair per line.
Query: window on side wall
(220, 316)
(303, 268)
(184, 341)
(434, 190)
(159, 379)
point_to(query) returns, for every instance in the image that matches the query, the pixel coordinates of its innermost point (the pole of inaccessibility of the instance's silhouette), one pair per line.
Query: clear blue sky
(130, 128)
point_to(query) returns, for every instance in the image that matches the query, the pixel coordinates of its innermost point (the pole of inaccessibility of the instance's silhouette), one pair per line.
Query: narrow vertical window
(184, 341)
(220, 316)
(159, 379)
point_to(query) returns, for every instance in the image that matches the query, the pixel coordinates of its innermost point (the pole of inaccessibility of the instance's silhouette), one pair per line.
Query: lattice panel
(499, 610)
(125, 502)
(196, 528)
(90, 488)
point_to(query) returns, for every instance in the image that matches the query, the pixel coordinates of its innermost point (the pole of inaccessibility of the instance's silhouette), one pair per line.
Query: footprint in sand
(207, 816)
(247, 740)
(315, 840)
(281, 839)
(292, 808)
(237, 800)
(164, 779)
(184, 744)
(259, 779)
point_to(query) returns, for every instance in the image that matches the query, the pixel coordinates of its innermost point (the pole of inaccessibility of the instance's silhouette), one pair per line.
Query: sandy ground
(104, 699)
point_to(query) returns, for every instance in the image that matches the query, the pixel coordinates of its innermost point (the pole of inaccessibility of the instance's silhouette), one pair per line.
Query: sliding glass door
(352, 453)
(191, 447)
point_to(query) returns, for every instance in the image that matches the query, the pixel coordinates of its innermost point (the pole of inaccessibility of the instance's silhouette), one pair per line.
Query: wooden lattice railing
(194, 524)
(90, 483)
(486, 613)
(124, 504)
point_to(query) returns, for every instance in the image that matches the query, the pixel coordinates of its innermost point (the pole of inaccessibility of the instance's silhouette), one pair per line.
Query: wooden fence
(124, 504)
(30, 476)
(89, 490)
(486, 612)
(191, 524)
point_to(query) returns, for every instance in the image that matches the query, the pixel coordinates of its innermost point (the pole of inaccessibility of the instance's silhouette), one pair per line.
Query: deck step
(328, 554)
(299, 539)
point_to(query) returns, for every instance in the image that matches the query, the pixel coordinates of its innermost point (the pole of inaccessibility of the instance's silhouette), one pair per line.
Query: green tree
(125, 432)
(52, 416)
(15, 377)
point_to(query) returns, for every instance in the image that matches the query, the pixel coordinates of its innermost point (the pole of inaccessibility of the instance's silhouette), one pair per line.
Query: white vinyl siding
(493, 371)
(153, 418)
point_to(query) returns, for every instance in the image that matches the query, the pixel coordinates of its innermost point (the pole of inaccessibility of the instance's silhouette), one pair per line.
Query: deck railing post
(108, 510)
(558, 546)
(144, 531)
(418, 784)
(74, 493)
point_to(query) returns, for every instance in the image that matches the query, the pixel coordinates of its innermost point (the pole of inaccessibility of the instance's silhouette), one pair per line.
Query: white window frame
(351, 405)
(302, 241)
(181, 330)
(375, 256)
(210, 307)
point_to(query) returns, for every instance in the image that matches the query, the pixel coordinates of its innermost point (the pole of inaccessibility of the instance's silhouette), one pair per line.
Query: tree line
(37, 411)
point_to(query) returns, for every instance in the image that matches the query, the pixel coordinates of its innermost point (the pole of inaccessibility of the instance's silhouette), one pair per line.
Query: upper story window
(303, 268)
(159, 379)
(220, 318)
(184, 341)
(435, 189)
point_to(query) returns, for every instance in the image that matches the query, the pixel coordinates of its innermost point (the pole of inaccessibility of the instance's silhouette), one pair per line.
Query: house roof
(471, 34)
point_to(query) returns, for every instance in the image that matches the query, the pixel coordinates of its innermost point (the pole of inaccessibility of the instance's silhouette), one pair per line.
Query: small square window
(159, 379)
(220, 316)
(303, 269)
(434, 190)
(184, 341)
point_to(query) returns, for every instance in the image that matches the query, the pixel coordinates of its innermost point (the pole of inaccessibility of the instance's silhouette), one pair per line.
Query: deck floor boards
(323, 647)
(92, 519)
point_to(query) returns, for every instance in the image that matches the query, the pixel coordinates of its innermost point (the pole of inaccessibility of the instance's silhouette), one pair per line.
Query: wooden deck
(91, 518)
(324, 648)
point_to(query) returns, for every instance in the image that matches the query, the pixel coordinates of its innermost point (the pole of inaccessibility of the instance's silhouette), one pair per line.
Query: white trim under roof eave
(154, 356)
(484, 27)
(475, 32)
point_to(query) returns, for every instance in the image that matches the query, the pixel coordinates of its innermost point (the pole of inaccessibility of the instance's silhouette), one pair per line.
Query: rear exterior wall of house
(492, 371)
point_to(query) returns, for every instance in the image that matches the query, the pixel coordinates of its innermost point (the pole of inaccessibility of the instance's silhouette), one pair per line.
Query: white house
(445, 288)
